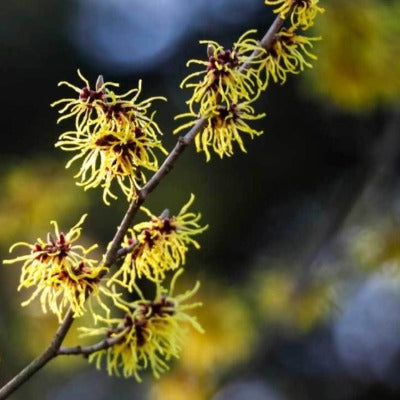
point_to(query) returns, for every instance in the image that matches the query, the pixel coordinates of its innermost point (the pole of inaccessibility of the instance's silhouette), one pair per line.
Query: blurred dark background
(299, 268)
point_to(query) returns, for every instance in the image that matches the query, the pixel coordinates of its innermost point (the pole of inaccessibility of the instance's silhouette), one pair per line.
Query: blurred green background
(299, 268)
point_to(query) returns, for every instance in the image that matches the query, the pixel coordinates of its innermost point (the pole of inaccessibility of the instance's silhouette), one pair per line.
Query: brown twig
(87, 350)
(114, 250)
(125, 250)
(39, 361)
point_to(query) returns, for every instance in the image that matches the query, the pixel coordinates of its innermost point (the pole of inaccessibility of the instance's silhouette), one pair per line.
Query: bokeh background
(300, 265)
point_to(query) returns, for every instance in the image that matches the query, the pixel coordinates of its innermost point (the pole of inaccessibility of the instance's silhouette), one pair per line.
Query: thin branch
(125, 250)
(266, 41)
(87, 350)
(40, 361)
(114, 250)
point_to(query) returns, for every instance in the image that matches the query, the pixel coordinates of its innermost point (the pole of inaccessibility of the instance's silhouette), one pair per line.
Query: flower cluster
(224, 126)
(150, 332)
(289, 52)
(302, 12)
(225, 77)
(158, 245)
(234, 78)
(115, 137)
(229, 80)
(287, 55)
(59, 270)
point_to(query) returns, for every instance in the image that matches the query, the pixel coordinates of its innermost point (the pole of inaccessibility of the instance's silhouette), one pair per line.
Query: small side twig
(87, 350)
(125, 250)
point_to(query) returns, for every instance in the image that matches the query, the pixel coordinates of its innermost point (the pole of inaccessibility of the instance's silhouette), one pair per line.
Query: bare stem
(125, 250)
(114, 250)
(85, 351)
(41, 360)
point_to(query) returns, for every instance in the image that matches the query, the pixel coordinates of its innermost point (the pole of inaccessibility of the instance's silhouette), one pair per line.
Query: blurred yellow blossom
(178, 384)
(376, 245)
(281, 302)
(24, 184)
(229, 334)
(359, 58)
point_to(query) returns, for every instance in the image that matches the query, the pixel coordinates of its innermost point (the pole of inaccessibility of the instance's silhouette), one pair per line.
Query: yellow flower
(225, 78)
(287, 55)
(59, 271)
(302, 12)
(161, 245)
(151, 332)
(115, 137)
(113, 155)
(89, 102)
(224, 126)
(119, 111)
(102, 109)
